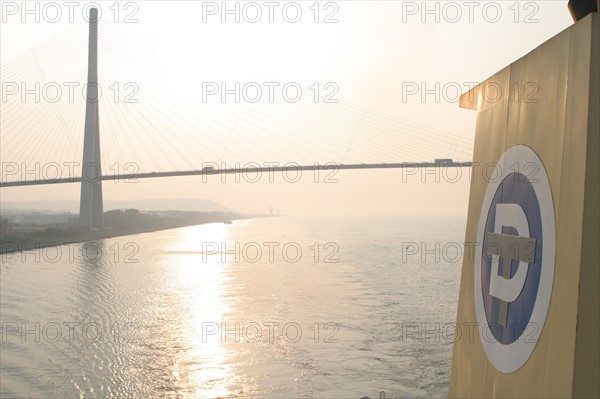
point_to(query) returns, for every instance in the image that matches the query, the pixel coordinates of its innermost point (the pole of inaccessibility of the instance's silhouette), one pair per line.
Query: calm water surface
(279, 308)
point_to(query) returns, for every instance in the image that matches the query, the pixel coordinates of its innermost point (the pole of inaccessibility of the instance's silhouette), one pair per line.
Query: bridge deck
(269, 169)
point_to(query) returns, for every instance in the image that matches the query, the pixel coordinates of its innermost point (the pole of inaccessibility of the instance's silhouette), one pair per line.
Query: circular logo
(514, 265)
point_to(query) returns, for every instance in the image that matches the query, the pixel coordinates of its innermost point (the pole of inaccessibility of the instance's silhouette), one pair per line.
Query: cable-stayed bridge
(157, 130)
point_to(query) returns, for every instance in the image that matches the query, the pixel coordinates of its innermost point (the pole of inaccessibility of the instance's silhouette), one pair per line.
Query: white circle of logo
(514, 263)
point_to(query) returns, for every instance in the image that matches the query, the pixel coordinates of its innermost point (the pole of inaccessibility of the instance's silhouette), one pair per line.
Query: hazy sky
(373, 53)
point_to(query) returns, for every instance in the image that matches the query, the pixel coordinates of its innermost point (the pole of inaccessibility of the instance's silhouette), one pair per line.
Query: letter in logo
(506, 248)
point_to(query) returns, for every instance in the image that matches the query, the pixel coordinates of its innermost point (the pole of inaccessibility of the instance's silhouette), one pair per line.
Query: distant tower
(90, 205)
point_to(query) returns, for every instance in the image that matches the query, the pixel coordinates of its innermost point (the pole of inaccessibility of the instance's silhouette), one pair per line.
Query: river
(275, 307)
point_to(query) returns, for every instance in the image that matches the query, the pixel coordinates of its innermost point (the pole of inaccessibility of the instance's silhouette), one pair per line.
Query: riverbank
(118, 224)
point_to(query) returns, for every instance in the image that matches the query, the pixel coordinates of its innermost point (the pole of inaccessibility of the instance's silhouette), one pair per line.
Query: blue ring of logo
(515, 189)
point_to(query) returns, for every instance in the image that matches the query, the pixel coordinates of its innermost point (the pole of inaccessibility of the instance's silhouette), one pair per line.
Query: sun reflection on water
(206, 366)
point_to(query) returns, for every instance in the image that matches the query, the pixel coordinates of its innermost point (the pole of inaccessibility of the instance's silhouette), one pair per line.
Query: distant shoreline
(28, 243)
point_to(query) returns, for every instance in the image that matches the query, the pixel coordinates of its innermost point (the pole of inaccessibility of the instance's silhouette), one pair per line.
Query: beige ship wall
(587, 352)
(562, 128)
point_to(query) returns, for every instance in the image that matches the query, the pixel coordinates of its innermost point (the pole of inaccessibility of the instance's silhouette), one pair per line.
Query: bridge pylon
(90, 205)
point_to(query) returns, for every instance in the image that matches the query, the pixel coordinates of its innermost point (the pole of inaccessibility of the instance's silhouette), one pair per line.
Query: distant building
(36, 216)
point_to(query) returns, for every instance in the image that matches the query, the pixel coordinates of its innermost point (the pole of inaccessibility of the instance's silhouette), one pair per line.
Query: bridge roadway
(270, 169)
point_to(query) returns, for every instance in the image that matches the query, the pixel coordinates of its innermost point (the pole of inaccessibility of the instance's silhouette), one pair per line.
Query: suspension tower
(90, 205)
